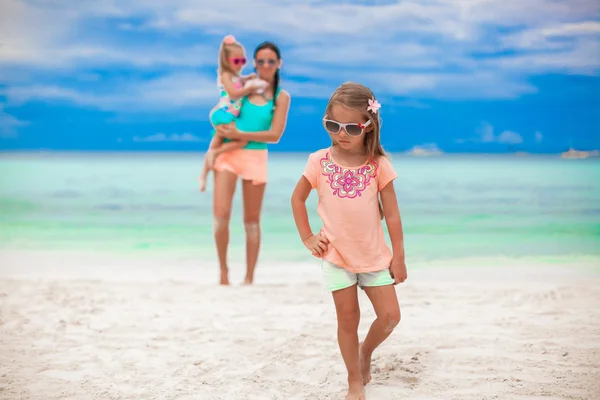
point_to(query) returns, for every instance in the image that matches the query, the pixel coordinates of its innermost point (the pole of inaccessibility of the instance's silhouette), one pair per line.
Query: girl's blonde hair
(356, 96)
(228, 45)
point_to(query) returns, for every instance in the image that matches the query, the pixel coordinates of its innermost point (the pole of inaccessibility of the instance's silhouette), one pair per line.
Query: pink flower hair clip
(229, 39)
(373, 106)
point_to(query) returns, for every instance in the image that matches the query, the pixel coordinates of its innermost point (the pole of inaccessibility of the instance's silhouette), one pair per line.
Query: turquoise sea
(453, 206)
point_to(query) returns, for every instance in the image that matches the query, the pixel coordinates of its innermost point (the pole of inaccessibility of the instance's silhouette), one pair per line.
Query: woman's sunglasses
(261, 61)
(238, 61)
(352, 129)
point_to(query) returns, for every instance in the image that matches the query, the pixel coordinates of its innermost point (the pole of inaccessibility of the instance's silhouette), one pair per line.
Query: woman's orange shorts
(250, 165)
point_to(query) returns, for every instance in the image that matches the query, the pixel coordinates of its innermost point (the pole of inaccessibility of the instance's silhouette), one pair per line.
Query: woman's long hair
(271, 46)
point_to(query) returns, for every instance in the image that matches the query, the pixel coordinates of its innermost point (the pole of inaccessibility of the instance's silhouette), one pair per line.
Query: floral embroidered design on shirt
(346, 182)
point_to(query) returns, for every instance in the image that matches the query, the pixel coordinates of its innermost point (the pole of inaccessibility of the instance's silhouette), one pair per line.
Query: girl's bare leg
(253, 200)
(386, 307)
(348, 317)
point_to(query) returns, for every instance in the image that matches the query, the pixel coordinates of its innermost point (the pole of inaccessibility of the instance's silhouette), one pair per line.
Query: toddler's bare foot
(365, 365)
(356, 389)
(202, 184)
(224, 278)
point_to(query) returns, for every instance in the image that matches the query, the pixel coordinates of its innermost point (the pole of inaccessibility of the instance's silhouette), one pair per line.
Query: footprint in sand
(406, 369)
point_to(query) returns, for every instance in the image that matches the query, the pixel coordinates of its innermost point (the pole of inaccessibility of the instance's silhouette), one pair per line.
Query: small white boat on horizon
(573, 154)
(425, 150)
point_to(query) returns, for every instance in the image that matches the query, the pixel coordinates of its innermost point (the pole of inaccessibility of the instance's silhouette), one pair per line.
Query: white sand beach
(85, 326)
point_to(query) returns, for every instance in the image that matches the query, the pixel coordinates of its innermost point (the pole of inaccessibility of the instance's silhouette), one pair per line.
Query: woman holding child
(260, 109)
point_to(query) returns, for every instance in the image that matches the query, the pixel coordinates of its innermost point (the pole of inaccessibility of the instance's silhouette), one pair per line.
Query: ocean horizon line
(272, 151)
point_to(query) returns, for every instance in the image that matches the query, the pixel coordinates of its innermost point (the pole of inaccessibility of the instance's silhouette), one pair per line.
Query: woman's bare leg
(253, 199)
(222, 200)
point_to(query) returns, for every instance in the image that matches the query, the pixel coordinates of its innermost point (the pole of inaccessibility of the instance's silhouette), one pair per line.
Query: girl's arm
(273, 135)
(393, 220)
(232, 91)
(317, 245)
(394, 224)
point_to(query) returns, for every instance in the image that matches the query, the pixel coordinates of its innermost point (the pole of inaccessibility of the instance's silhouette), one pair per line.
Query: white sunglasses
(352, 129)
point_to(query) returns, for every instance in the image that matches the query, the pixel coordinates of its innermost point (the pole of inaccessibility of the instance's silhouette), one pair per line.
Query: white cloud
(194, 92)
(51, 35)
(485, 134)
(509, 137)
(162, 137)
(581, 56)
(545, 37)
(410, 48)
(455, 19)
(352, 54)
(9, 124)
(573, 28)
(441, 85)
(81, 56)
(161, 94)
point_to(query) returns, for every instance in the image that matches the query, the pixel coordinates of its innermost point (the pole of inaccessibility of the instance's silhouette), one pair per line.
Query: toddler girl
(350, 177)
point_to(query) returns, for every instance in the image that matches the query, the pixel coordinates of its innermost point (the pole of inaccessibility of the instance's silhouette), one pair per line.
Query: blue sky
(462, 75)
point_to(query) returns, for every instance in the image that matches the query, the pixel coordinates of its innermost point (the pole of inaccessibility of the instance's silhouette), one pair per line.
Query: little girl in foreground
(349, 177)
(233, 87)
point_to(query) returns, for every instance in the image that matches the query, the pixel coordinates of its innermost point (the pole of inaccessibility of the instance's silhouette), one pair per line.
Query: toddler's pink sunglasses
(238, 61)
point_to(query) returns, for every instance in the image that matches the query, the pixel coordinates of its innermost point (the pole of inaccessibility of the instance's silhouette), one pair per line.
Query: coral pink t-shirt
(349, 208)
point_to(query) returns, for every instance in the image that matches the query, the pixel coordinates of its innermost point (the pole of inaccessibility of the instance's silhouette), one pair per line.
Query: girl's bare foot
(356, 389)
(365, 364)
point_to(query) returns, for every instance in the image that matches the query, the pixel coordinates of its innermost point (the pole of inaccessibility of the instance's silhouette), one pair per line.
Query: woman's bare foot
(365, 364)
(248, 281)
(224, 278)
(356, 389)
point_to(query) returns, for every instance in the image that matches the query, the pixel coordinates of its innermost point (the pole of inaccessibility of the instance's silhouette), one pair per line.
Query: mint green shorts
(337, 278)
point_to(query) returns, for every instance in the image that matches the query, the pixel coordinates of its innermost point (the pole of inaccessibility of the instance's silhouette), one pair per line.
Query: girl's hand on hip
(316, 244)
(398, 270)
(228, 131)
